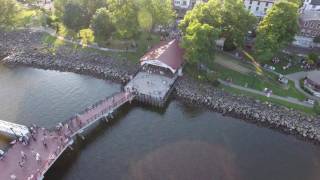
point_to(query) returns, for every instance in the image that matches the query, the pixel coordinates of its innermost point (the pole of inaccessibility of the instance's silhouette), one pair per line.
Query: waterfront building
(258, 7)
(311, 5)
(165, 55)
(160, 68)
(312, 82)
(309, 22)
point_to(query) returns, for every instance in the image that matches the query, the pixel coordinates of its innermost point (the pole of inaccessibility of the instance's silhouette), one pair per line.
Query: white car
(310, 101)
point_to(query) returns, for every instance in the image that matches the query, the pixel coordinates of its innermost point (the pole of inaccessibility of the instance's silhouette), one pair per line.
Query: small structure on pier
(160, 68)
(13, 130)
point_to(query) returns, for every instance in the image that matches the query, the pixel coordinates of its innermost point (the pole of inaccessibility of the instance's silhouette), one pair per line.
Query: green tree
(312, 58)
(276, 30)
(161, 11)
(230, 16)
(86, 36)
(75, 17)
(199, 43)
(145, 20)
(8, 12)
(88, 7)
(124, 16)
(92, 5)
(101, 24)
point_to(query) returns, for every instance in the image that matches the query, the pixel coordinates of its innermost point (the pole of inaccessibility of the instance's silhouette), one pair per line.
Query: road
(296, 77)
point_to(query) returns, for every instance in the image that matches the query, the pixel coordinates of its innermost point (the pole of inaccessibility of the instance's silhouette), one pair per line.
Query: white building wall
(308, 6)
(258, 8)
(184, 4)
(306, 42)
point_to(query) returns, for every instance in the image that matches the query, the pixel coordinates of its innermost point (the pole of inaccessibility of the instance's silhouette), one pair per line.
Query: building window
(312, 25)
(258, 3)
(184, 3)
(249, 7)
(306, 24)
(257, 8)
(265, 9)
(267, 4)
(250, 1)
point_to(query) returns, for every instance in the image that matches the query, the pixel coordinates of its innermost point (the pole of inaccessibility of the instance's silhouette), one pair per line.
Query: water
(179, 142)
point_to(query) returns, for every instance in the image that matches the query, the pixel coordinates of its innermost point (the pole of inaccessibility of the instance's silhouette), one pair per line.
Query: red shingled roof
(168, 53)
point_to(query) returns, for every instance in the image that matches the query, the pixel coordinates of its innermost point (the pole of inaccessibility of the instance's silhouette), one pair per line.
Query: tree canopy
(8, 11)
(276, 30)
(124, 17)
(199, 42)
(230, 16)
(162, 11)
(101, 23)
(86, 36)
(75, 17)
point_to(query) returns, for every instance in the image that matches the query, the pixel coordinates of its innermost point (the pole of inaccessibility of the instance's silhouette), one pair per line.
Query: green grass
(284, 60)
(300, 108)
(52, 43)
(28, 17)
(258, 80)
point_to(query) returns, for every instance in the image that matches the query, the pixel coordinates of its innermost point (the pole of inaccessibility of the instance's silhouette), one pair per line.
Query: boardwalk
(30, 159)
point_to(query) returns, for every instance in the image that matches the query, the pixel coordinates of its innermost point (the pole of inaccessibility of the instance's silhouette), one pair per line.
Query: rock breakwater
(27, 48)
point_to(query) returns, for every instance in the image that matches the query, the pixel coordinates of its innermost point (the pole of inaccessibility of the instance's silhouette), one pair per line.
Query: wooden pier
(31, 159)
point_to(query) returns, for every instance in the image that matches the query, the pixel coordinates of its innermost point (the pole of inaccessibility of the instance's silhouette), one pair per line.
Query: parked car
(272, 68)
(310, 101)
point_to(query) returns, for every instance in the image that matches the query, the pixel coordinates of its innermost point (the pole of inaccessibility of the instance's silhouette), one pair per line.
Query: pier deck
(30, 161)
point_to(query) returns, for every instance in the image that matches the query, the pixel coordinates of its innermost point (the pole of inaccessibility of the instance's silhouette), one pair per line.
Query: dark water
(178, 143)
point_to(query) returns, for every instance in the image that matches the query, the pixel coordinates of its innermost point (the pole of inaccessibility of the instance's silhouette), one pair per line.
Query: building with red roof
(167, 55)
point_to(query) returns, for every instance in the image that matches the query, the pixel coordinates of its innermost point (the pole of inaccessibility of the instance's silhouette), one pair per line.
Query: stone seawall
(26, 48)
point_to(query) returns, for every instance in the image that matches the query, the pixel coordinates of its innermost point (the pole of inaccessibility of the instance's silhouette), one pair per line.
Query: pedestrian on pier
(38, 157)
(23, 155)
(21, 164)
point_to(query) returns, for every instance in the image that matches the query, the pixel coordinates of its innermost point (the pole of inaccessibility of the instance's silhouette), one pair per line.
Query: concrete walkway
(52, 32)
(287, 99)
(31, 161)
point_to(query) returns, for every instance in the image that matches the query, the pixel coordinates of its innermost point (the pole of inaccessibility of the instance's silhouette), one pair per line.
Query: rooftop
(315, 2)
(310, 15)
(165, 54)
(314, 76)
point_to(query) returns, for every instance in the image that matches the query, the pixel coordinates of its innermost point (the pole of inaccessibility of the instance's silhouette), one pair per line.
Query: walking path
(52, 32)
(287, 99)
(31, 157)
(296, 77)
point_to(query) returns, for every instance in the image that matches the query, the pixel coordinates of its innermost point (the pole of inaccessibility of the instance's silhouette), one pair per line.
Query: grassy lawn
(251, 79)
(28, 17)
(259, 82)
(300, 108)
(142, 47)
(284, 60)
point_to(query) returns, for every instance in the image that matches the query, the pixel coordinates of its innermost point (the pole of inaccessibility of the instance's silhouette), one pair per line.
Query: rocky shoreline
(26, 48)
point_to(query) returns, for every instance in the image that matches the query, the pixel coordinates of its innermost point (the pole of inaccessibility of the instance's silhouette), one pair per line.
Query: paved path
(296, 77)
(31, 161)
(287, 99)
(53, 33)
